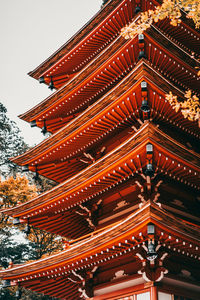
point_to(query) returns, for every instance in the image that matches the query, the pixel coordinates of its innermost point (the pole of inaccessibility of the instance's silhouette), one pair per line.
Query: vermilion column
(154, 293)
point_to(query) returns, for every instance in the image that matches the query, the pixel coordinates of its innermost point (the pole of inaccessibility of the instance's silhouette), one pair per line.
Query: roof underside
(122, 238)
(120, 106)
(126, 160)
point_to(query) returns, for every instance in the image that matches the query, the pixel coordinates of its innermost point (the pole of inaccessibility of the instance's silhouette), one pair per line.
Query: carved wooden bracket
(90, 215)
(152, 270)
(148, 189)
(80, 281)
(84, 282)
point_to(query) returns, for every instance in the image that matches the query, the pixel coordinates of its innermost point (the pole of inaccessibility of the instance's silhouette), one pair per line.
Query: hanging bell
(33, 123)
(6, 283)
(18, 294)
(27, 229)
(137, 9)
(25, 168)
(51, 85)
(41, 79)
(145, 107)
(16, 221)
(151, 253)
(149, 170)
(36, 177)
(141, 55)
(44, 129)
(104, 2)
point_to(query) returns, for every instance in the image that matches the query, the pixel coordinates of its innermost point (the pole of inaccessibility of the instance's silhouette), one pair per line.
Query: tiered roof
(129, 159)
(51, 109)
(109, 109)
(57, 275)
(115, 111)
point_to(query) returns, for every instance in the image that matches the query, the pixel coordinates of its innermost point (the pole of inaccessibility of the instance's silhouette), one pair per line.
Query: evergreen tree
(11, 143)
(14, 248)
(14, 190)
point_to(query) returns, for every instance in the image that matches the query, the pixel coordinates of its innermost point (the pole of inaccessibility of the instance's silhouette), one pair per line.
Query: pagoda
(126, 163)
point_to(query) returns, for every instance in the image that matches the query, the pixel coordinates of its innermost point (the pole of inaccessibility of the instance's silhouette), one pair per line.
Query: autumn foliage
(171, 9)
(14, 191)
(190, 107)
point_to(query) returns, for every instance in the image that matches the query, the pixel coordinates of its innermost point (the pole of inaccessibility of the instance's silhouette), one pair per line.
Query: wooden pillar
(154, 293)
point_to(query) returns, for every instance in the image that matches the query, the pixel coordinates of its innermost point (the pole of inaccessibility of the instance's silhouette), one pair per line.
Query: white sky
(30, 31)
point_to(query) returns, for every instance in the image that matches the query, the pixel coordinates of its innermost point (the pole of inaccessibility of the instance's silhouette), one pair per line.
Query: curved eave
(74, 40)
(74, 85)
(175, 64)
(125, 161)
(58, 136)
(178, 33)
(101, 17)
(104, 30)
(44, 109)
(122, 92)
(169, 229)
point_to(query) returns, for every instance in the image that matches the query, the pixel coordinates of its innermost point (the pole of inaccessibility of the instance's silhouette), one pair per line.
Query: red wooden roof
(117, 109)
(72, 97)
(87, 42)
(170, 157)
(51, 274)
(98, 32)
(119, 12)
(102, 70)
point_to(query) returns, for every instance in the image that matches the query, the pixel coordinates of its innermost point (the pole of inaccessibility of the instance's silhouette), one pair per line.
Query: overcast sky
(30, 31)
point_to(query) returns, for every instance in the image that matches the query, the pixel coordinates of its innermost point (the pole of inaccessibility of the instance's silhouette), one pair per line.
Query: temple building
(127, 165)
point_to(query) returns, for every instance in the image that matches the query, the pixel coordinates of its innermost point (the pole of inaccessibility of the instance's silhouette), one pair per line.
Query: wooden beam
(154, 293)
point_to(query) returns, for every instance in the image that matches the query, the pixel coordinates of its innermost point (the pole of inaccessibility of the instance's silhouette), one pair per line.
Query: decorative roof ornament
(151, 253)
(51, 84)
(145, 107)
